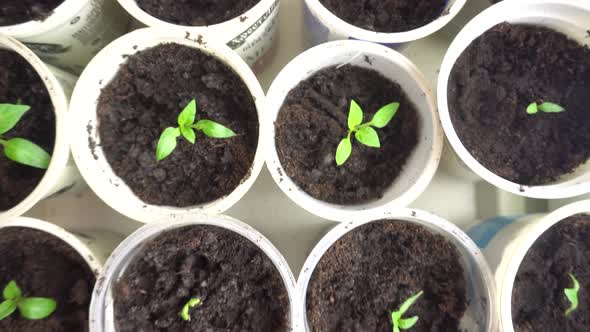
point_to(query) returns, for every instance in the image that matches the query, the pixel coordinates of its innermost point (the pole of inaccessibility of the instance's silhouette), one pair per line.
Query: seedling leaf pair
(364, 133)
(400, 323)
(184, 313)
(17, 149)
(33, 308)
(186, 128)
(545, 107)
(572, 295)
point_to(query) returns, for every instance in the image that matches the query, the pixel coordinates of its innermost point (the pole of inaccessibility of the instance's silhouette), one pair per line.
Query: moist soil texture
(45, 266)
(19, 80)
(313, 120)
(493, 82)
(386, 15)
(374, 268)
(20, 11)
(146, 96)
(196, 12)
(239, 286)
(538, 300)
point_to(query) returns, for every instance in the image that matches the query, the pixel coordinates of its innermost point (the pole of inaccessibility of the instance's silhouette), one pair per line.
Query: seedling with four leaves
(32, 308)
(546, 107)
(364, 132)
(184, 313)
(17, 149)
(572, 295)
(400, 323)
(186, 128)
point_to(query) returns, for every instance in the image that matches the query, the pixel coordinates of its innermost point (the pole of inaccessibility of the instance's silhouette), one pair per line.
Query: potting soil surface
(386, 15)
(196, 12)
(239, 286)
(493, 82)
(20, 82)
(538, 299)
(20, 11)
(374, 268)
(146, 96)
(43, 265)
(313, 120)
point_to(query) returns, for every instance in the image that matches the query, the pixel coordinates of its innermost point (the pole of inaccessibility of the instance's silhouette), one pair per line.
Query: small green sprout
(572, 295)
(546, 107)
(32, 308)
(364, 132)
(400, 323)
(184, 313)
(186, 127)
(17, 149)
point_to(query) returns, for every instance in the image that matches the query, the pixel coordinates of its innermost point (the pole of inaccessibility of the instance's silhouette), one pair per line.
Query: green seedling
(364, 132)
(400, 323)
(186, 128)
(546, 107)
(17, 149)
(33, 308)
(184, 313)
(572, 295)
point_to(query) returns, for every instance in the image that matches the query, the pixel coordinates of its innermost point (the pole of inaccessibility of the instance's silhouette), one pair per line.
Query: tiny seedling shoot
(17, 149)
(33, 308)
(572, 295)
(186, 128)
(545, 107)
(364, 132)
(400, 323)
(184, 313)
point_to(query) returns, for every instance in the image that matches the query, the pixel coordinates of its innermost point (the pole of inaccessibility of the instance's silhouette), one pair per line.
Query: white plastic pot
(73, 33)
(566, 16)
(322, 26)
(422, 163)
(251, 34)
(90, 158)
(505, 242)
(102, 305)
(480, 289)
(61, 173)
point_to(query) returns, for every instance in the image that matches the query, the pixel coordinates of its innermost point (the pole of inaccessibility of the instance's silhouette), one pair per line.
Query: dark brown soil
(45, 266)
(373, 269)
(18, 80)
(240, 287)
(538, 301)
(146, 96)
(492, 84)
(386, 15)
(313, 121)
(20, 11)
(196, 12)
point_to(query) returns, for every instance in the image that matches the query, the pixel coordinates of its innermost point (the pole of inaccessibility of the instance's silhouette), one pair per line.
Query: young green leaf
(404, 323)
(167, 143)
(572, 295)
(25, 152)
(384, 115)
(184, 313)
(407, 323)
(548, 107)
(343, 151)
(355, 115)
(187, 117)
(10, 115)
(7, 308)
(35, 308)
(189, 134)
(533, 108)
(214, 129)
(368, 136)
(11, 291)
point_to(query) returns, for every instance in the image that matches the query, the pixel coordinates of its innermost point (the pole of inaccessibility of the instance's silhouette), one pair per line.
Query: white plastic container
(422, 163)
(90, 158)
(73, 33)
(566, 16)
(480, 315)
(102, 305)
(322, 26)
(251, 34)
(505, 242)
(61, 173)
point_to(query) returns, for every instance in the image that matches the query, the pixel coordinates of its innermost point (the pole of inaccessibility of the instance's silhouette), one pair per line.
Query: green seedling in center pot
(32, 308)
(186, 128)
(364, 132)
(400, 323)
(17, 149)
(184, 313)
(572, 295)
(545, 107)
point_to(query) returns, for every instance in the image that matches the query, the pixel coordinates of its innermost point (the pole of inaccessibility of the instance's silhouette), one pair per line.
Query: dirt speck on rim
(196, 12)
